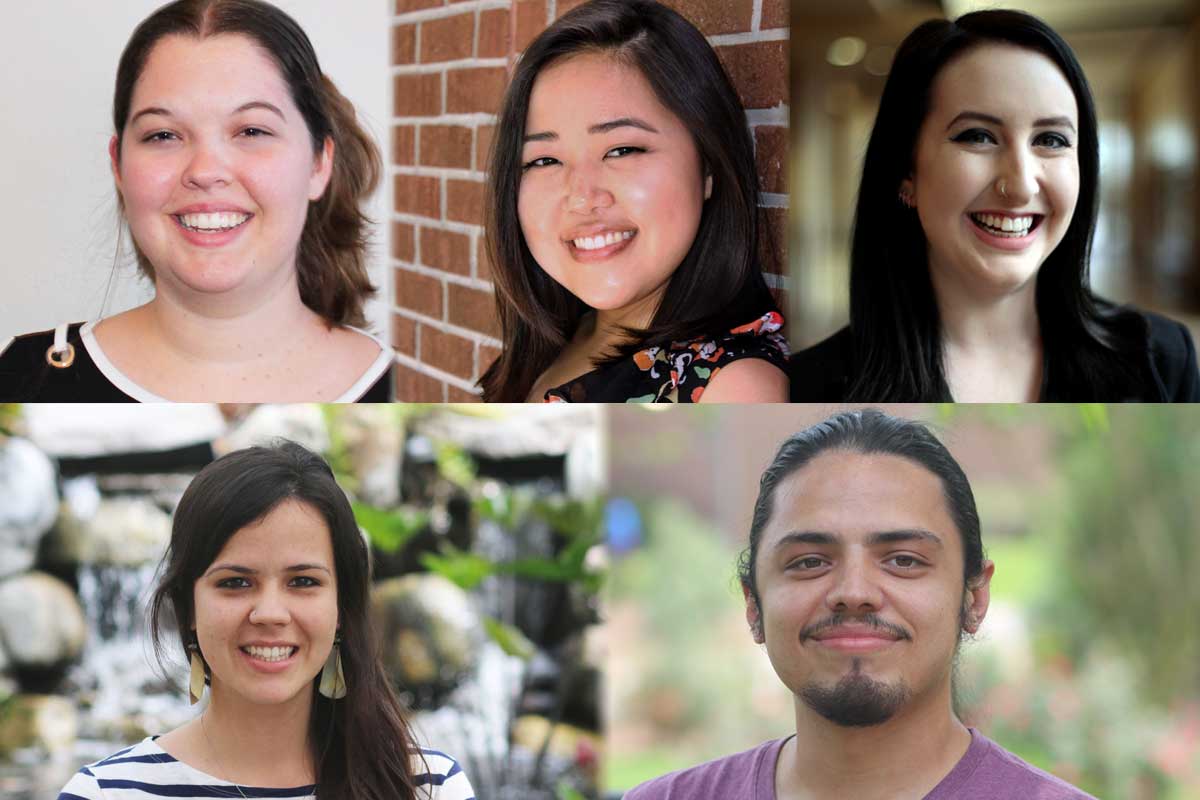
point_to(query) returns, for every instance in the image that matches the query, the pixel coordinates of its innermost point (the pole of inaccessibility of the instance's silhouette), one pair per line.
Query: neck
(202, 331)
(608, 326)
(904, 757)
(982, 319)
(259, 745)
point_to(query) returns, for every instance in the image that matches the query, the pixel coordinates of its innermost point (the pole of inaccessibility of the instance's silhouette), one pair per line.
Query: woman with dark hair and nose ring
(267, 585)
(972, 235)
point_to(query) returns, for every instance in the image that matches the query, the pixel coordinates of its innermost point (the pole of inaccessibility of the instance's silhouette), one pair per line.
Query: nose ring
(1002, 188)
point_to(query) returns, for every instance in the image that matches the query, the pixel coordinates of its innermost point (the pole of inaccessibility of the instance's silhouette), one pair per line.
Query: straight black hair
(718, 285)
(1088, 346)
(868, 431)
(361, 744)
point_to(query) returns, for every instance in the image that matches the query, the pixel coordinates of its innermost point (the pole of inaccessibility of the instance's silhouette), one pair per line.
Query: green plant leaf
(455, 465)
(390, 529)
(510, 639)
(466, 570)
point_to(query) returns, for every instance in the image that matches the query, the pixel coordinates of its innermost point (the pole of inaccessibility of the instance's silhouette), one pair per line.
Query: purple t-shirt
(985, 770)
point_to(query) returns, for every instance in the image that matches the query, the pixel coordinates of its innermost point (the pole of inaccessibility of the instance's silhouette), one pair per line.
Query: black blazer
(821, 374)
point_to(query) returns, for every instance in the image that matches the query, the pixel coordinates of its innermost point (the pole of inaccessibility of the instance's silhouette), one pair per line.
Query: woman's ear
(114, 158)
(707, 186)
(322, 170)
(908, 192)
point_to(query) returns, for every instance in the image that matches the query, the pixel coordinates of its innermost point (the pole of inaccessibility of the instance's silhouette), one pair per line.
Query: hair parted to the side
(332, 252)
(362, 743)
(895, 326)
(719, 283)
(868, 431)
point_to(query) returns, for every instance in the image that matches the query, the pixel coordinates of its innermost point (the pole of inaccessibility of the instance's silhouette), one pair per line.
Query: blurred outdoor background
(484, 525)
(1088, 664)
(1141, 57)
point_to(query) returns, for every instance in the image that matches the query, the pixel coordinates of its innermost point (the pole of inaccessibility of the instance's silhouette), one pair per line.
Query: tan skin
(212, 122)
(912, 581)
(257, 724)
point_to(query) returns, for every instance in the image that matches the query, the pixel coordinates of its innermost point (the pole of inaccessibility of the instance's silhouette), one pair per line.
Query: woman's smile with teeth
(603, 240)
(270, 653)
(998, 225)
(219, 221)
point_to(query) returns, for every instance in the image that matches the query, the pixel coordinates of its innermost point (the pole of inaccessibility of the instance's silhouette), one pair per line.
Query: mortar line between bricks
(770, 35)
(421, 171)
(779, 115)
(447, 66)
(465, 120)
(447, 11)
(772, 200)
(776, 281)
(433, 372)
(452, 226)
(449, 277)
(756, 17)
(447, 327)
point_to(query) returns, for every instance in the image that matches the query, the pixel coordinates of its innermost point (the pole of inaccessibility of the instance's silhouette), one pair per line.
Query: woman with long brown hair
(240, 171)
(266, 584)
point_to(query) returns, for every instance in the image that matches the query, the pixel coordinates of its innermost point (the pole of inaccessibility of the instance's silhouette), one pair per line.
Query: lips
(599, 243)
(1005, 230)
(855, 638)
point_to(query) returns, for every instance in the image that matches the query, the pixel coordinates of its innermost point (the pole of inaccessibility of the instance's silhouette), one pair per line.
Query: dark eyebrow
(1044, 122)
(263, 104)
(247, 571)
(601, 127)
(882, 537)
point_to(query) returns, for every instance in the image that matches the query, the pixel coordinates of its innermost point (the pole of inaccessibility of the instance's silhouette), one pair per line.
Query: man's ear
(977, 598)
(753, 616)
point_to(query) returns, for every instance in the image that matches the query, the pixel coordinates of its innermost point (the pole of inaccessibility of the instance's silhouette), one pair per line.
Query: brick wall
(450, 64)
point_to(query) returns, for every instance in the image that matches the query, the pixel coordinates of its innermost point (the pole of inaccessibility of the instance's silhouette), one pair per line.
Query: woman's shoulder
(1170, 350)
(53, 366)
(440, 776)
(375, 383)
(694, 363)
(128, 768)
(820, 374)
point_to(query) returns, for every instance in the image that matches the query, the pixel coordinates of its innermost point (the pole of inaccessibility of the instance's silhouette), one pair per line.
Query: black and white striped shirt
(146, 771)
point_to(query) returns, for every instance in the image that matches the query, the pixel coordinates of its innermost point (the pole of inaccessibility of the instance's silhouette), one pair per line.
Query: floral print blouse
(679, 372)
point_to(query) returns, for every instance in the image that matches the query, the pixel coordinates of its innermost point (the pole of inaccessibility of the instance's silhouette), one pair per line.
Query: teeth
(270, 653)
(596, 242)
(213, 222)
(1016, 226)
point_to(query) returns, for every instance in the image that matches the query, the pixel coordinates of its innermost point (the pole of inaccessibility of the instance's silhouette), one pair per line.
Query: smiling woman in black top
(972, 234)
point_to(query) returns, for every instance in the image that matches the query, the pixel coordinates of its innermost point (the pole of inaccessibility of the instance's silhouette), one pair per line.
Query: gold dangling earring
(196, 679)
(333, 682)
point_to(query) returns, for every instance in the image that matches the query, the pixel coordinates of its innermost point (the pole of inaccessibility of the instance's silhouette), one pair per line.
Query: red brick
(446, 146)
(771, 149)
(417, 387)
(772, 233)
(759, 71)
(531, 20)
(475, 90)
(774, 15)
(404, 6)
(487, 354)
(404, 44)
(404, 335)
(418, 95)
(715, 17)
(404, 138)
(457, 395)
(483, 261)
(473, 309)
(418, 194)
(447, 352)
(447, 38)
(566, 5)
(464, 201)
(483, 146)
(402, 242)
(419, 293)
(494, 35)
(446, 250)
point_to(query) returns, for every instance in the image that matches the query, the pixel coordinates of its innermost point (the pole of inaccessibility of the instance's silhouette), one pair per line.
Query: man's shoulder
(992, 771)
(730, 778)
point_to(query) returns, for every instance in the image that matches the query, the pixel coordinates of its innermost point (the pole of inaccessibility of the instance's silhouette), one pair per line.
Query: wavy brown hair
(362, 745)
(331, 257)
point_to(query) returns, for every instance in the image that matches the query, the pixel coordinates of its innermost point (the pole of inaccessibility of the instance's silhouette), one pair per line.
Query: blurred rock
(120, 531)
(41, 623)
(28, 503)
(47, 722)
(303, 424)
(430, 634)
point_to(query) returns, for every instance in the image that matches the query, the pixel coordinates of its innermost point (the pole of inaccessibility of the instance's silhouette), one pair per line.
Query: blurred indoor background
(1142, 58)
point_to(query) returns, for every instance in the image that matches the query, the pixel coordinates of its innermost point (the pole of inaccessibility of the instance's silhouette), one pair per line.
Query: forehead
(853, 495)
(1010, 82)
(291, 532)
(579, 91)
(226, 68)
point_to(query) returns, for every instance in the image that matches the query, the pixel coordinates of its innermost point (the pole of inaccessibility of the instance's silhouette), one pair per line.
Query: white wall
(58, 228)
